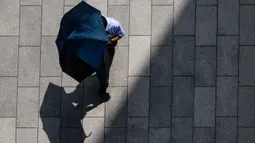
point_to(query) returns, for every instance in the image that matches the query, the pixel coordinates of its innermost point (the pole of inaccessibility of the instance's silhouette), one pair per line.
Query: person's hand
(109, 43)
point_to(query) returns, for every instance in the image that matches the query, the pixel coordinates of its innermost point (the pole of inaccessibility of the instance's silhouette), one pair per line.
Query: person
(115, 32)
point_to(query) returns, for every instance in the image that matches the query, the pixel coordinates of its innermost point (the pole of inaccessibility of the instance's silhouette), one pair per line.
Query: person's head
(104, 21)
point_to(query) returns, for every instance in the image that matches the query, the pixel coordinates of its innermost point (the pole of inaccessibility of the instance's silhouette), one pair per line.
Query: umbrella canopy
(81, 41)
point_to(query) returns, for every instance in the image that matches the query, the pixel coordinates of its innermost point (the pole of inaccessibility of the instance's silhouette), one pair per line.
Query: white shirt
(114, 28)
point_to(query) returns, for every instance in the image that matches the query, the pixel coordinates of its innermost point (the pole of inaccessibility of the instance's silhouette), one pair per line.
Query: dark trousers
(103, 71)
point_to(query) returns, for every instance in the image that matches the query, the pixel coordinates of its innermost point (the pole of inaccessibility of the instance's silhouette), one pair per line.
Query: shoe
(104, 96)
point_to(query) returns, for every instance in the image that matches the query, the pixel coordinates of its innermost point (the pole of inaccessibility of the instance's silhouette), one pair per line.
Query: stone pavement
(184, 73)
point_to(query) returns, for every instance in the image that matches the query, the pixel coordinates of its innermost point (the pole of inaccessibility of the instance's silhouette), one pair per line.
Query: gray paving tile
(115, 135)
(99, 4)
(206, 23)
(121, 14)
(67, 8)
(50, 95)
(228, 15)
(27, 107)
(204, 135)
(227, 56)
(183, 55)
(183, 94)
(205, 66)
(184, 17)
(116, 107)
(139, 55)
(51, 16)
(68, 135)
(227, 91)
(159, 135)
(7, 130)
(161, 66)
(246, 135)
(137, 130)
(118, 2)
(140, 19)
(247, 65)
(31, 2)
(162, 25)
(204, 107)
(26, 135)
(247, 2)
(135, 2)
(29, 66)
(247, 20)
(138, 96)
(95, 126)
(49, 58)
(68, 81)
(246, 112)
(49, 130)
(90, 96)
(119, 69)
(9, 56)
(182, 130)
(226, 130)
(72, 2)
(160, 106)
(70, 117)
(162, 2)
(206, 2)
(9, 17)
(8, 92)
(30, 23)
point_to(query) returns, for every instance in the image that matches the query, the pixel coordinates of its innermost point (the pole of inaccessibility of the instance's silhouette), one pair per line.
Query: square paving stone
(183, 55)
(227, 92)
(49, 130)
(183, 96)
(247, 26)
(228, 17)
(205, 66)
(116, 107)
(140, 19)
(121, 14)
(118, 2)
(95, 126)
(115, 135)
(49, 58)
(162, 25)
(246, 135)
(8, 92)
(159, 135)
(247, 66)
(204, 107)
(50, 96)
(226, 130)
(29, 66)
(7, 130)
(9, 56)
(139, 56)
(31, 2)
(26, 135)
(161, 66)
(138, 96)
(227, 55)
(182, 130)
(204, 135)
(206, 23)
(51, 16)
(184, 17)
(30, 21)
(160, 106)
(246, 112)
(27, 107)
(9, 17)
(137, 130)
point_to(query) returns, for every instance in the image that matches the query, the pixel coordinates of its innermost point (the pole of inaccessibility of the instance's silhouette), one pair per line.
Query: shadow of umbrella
(60, 120)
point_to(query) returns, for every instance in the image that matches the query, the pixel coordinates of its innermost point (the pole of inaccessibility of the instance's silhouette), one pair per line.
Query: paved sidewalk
(184, 73)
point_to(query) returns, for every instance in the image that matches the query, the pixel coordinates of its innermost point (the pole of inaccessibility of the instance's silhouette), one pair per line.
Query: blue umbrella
(81, 41)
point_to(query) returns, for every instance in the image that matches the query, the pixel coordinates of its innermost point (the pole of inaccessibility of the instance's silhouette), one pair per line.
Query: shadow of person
(61, 120)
